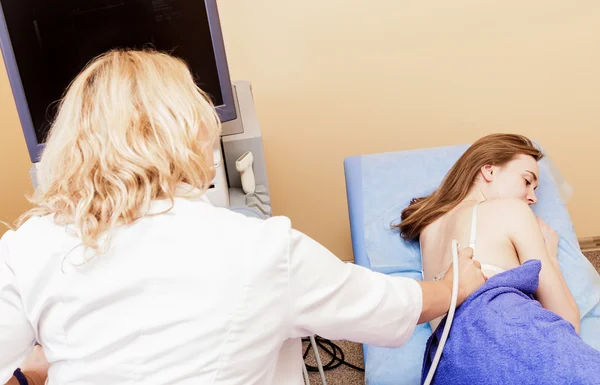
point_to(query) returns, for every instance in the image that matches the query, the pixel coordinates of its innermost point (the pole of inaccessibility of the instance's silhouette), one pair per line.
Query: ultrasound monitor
(46, 43)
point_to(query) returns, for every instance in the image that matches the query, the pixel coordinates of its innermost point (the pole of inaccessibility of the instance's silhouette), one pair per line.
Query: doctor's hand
(437, 294)
(470, 277)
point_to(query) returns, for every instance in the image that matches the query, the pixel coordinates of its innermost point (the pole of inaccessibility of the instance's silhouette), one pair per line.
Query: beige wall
(335, 78)
(344, 77)
(14, 158)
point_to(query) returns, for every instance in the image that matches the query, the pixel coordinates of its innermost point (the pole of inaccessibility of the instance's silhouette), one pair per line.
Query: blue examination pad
(380, 186)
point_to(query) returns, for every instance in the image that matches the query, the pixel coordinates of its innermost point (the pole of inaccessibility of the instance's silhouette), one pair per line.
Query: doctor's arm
(16, 334)
(338, 300)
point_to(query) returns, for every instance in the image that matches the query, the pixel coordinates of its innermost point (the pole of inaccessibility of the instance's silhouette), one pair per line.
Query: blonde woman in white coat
(125, 273)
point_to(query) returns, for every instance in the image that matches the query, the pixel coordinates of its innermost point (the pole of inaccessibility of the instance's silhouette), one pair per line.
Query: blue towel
(502, 335)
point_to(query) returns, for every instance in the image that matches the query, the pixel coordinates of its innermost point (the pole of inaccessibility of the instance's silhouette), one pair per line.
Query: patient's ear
(488, 172)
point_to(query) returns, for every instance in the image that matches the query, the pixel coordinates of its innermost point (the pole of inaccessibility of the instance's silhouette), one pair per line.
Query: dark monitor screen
(46, 43)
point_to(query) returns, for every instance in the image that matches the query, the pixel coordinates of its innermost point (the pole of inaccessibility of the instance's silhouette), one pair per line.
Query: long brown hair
(495, 149)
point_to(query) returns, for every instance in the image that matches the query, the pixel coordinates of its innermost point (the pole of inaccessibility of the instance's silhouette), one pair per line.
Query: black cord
(336, 353)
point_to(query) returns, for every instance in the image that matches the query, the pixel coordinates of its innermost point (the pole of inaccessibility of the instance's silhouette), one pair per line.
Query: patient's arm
(526, 236)
(550, 239)
(551, 242)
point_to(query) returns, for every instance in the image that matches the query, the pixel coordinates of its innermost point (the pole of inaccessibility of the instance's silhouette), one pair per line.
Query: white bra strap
(474, 228)
(493, 268)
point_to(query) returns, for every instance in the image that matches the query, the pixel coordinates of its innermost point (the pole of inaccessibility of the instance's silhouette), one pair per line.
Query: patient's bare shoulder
(508, 214)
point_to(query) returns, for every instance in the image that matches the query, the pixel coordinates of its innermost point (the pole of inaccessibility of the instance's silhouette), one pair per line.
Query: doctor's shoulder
(244, 228)
(34, 233)
(272, 230)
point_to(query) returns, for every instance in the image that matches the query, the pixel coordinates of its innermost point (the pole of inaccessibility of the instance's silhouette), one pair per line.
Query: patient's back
(493, 246)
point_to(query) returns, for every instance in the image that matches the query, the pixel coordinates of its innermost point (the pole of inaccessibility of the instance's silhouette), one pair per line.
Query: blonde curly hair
(131, 128)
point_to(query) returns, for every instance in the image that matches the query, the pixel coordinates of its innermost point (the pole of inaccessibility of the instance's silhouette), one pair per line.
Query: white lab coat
(200, 295)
